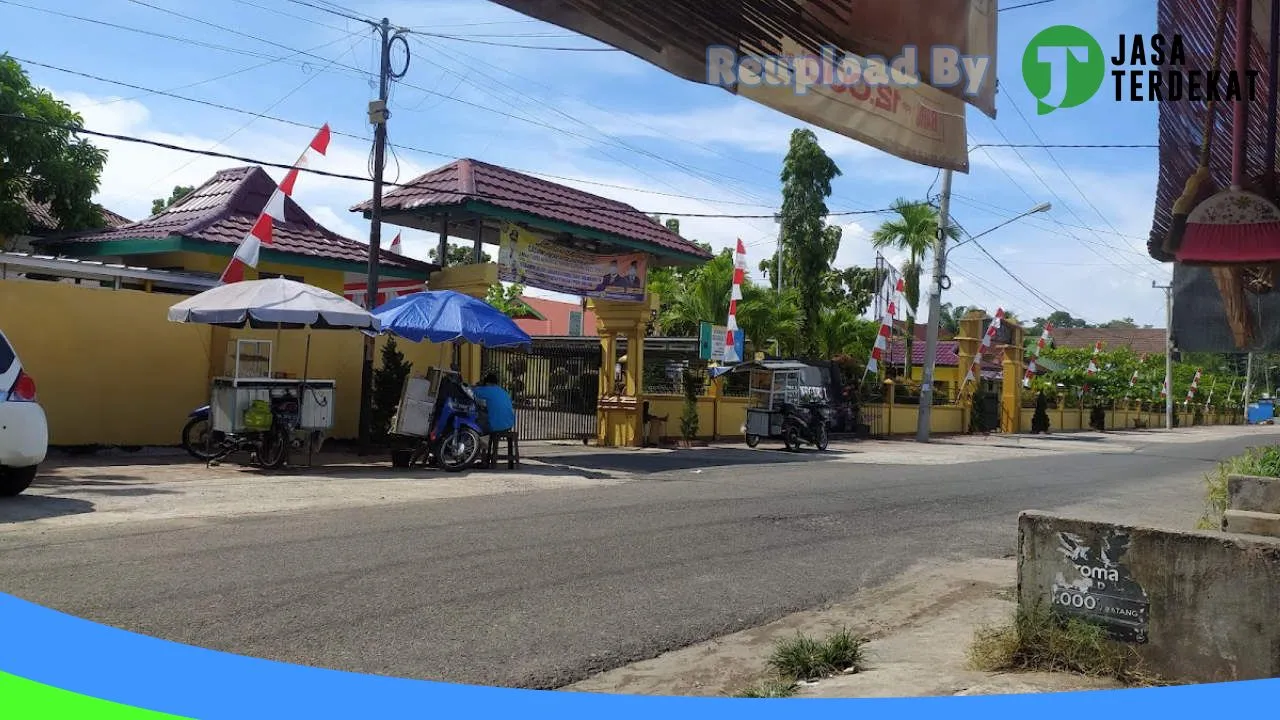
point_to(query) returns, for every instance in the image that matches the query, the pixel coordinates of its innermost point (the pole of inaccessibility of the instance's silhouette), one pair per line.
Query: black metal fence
(555, 389)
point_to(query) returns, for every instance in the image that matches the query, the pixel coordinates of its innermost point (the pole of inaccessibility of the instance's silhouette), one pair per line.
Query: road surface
(540, 589)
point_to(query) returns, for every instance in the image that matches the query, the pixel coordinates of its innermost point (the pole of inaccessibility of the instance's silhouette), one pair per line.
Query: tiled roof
(948, 354)
(1150, 341)
(42, 220)
(224, 208)
(472, 180)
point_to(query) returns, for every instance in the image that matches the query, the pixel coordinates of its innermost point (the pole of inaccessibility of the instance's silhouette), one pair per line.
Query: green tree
(841, 331)
(179, 191)
(44, 160)
(915, 232)
(1125, 323)
(950, 317)
(507, 299)
(808, 243)
(388, 385)
(1059, 319)
(458, 255)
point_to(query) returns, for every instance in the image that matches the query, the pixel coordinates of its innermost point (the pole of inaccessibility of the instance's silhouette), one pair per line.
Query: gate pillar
(620, 415)
(1012, 370)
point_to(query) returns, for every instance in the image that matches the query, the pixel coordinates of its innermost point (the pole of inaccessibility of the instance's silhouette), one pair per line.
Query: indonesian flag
(1164, 391)
(1093, 366)
(395, 244)
(1045, 336)
(739, 274)
(1195, 383)
(260, 234)
(881, 344)
(987, 339)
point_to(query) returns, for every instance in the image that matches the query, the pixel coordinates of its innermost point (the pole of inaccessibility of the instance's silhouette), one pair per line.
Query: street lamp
(935, 301)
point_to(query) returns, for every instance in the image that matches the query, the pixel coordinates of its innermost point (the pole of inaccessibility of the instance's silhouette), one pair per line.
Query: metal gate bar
(555, 389)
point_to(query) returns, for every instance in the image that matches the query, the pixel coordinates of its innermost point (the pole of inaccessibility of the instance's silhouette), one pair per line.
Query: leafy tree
(843, 332)
(388, 385)
(458, 255)
(45, 162)
(1059, 319)
(179, 191)
(1124, 323)
(949, 319)
(914, 231)
(809, 244)
(507, 299)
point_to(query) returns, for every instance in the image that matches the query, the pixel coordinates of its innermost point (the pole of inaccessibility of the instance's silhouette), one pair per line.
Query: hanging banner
(538, 262)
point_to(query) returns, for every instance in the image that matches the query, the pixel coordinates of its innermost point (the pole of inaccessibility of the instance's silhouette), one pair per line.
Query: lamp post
(940, 251)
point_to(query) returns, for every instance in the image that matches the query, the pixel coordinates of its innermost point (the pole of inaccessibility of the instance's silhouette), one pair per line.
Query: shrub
(1263, 461)
(1098, 418)
(689, 416)
(805, 658)
(1040, 419)
(388, 385)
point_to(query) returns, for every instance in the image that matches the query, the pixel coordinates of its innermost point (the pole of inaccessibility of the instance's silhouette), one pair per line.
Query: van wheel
(14, 480)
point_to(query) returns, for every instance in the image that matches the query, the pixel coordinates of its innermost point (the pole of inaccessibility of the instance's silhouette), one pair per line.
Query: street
(545, 587)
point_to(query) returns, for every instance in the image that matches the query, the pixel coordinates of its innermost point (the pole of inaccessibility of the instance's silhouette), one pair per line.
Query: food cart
(774, 384)
(252, 381)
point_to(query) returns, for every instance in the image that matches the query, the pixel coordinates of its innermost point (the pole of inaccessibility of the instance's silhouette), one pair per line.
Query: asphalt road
(544, 588)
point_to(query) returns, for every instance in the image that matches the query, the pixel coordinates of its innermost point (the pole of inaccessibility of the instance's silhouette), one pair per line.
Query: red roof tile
(1150, 341)
(472, 180)
(224, 208)
(948, 354)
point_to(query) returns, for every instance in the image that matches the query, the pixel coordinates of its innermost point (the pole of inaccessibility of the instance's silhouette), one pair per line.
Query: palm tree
(841, 331)
(949, 320)
(914, 231)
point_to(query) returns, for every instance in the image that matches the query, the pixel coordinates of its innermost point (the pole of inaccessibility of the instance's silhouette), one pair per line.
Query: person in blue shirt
(501, 415)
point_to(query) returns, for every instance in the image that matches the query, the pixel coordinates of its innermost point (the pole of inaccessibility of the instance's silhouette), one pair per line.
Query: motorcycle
(805, 423)
(454, 443)
(274, 435)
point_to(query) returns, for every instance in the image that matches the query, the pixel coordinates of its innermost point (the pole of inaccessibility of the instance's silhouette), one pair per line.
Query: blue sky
(603, 119)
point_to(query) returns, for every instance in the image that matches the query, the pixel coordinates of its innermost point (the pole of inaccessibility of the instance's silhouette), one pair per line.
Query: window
(575, 323)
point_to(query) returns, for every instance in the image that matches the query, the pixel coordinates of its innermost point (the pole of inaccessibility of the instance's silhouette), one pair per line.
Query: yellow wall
(331, 280)
(111, 369)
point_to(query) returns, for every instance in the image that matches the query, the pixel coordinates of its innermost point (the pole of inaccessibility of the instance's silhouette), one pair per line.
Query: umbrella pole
(306, 368)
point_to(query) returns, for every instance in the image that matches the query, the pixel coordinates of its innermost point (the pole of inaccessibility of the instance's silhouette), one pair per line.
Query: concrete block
(1196, 606)
(1251, 523)
(1252, 493)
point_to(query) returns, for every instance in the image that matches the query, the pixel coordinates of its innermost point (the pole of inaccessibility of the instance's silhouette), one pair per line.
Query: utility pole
(378, 115)
(777, 258)
(923, 426)
(1168, 353)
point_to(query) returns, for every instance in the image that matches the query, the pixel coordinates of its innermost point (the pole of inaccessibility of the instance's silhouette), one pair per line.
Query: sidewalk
(920, 626)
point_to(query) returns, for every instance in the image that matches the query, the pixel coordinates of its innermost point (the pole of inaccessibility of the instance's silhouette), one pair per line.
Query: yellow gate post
(619, 418)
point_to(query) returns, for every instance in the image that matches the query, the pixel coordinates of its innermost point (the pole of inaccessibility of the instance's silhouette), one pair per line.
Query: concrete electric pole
(1168, 353)
(378, 115)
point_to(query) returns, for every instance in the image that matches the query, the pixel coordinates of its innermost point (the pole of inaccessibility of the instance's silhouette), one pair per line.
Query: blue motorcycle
(456, 435)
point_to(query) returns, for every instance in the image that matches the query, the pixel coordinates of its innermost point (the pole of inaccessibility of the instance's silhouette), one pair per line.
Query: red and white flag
(260, 234)
(395, 244)
(1195, 384)
(882, 338)
(1045, 337)
(739, 273)
(1093, 366)
(987, 339)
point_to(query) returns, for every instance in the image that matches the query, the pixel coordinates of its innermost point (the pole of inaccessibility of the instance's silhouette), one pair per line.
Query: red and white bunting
(987, 340)
(395, 245)
(260, 234)
(894, 291)
(739, 273)
(1045, 337)
(1093, 366)
(1195, 384)
(882, 339)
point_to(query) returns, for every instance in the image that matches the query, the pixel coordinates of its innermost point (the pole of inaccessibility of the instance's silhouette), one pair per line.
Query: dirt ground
(920, 627)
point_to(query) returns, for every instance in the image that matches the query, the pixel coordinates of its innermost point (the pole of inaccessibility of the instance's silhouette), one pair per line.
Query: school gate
(554, 386)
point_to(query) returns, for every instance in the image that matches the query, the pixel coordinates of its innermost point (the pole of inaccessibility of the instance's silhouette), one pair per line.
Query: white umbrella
(274, 303)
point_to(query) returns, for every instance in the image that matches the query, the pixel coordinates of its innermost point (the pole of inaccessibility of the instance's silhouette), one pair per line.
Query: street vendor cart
(777, 389)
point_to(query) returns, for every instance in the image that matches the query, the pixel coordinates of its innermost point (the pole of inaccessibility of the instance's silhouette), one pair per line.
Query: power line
(342, 176)
(334, 9)
(1026, 5)
(517, 45)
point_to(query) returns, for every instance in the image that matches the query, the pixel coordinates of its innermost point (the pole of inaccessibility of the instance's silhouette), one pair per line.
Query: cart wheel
(753, 440)
(821, 440)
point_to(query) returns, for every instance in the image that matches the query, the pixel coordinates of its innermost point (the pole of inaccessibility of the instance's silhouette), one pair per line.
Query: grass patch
(772, 688)
(1038, 641)
(1263, 462)
(805, 658)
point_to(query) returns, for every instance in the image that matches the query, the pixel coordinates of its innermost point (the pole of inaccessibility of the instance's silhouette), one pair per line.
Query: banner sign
(711, 341)
(538, 262)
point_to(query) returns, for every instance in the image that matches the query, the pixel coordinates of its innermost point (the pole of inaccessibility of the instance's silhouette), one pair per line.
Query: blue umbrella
(442, 316)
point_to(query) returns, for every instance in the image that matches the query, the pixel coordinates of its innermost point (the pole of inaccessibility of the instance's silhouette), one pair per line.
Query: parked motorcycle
(273, 433)
(454, 443)
(805, 423)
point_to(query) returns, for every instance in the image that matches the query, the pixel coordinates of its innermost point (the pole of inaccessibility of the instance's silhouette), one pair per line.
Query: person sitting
(499, 410)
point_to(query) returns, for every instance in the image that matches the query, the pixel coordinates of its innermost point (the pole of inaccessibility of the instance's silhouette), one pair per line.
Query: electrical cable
(517, 45)
(342, 176)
